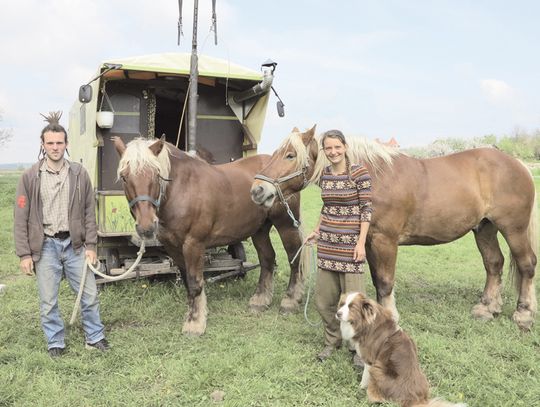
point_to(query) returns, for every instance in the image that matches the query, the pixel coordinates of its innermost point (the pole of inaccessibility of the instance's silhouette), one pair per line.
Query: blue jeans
(57, 258)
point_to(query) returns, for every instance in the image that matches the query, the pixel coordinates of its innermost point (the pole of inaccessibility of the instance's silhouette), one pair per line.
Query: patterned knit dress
(346, 203)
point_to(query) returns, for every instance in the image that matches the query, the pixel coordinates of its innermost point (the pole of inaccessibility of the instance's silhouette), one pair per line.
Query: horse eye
(289, 156)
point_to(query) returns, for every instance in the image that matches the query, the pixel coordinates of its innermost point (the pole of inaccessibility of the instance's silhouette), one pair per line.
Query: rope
(182, 116)
(276, 182)
(87, 266)
(105, 96)
(296, 223)
(79, 295)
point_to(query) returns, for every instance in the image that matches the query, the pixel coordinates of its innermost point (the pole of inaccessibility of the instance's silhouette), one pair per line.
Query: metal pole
(193, 80)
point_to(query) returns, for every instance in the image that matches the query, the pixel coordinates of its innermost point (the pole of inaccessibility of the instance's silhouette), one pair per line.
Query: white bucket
(105, 119)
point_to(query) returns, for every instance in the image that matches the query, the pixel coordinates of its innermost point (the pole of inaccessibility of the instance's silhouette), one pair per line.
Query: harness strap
(282, 179)
(277, 181)
(148, 198)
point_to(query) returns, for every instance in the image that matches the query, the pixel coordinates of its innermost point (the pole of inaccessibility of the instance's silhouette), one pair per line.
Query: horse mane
(138, 157)
(295, 141)
(360, 151)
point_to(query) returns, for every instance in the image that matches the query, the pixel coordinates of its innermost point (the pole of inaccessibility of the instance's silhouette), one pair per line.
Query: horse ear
(308, 135)
(119, 145)
(295, 130)
(157, 146)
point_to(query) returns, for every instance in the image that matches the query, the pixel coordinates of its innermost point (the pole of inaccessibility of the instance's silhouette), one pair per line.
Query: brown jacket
(28, 226)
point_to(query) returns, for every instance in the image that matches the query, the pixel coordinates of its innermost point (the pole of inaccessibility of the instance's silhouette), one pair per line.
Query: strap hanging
(180, 33)
(105, 96)
(214, 21)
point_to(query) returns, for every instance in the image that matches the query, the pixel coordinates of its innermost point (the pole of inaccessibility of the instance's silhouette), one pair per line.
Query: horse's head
(289, 169)
(144, 166)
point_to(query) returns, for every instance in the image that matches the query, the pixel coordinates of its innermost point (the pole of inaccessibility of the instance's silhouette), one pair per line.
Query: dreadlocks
(53, 118)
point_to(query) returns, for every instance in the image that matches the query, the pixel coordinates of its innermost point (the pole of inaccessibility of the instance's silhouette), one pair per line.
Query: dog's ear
(369, 311)
(342, 299)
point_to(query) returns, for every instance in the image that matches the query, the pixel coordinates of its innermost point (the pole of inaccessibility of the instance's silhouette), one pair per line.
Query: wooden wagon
(146, 96)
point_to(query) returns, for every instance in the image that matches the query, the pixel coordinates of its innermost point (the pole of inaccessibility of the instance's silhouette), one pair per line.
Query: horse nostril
(146, 233)
(338, 315)
(257, 191)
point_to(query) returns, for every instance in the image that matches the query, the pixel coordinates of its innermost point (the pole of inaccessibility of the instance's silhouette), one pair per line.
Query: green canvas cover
(179, 63)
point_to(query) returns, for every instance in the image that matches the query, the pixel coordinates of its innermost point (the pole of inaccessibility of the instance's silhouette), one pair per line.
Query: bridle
(148, 198)
(277, 181)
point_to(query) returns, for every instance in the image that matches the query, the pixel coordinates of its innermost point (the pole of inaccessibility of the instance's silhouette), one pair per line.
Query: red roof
(390, 143)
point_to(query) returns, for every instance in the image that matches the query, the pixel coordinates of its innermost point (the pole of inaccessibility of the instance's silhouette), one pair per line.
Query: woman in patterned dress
(340, 235)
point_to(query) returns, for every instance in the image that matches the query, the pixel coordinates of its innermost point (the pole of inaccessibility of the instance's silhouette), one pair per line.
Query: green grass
(258, 360)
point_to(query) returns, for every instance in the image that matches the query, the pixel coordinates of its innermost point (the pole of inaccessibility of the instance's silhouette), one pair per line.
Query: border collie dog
(391, 370)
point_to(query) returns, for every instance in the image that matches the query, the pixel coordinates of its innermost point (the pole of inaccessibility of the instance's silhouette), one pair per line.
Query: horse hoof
(193, 328)
(524, 319)
(288, 306)
(259, 303)
(257, 308)
(482, 313)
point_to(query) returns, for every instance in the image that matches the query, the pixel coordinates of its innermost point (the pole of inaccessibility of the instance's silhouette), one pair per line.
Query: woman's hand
(359, 252)
(312, 238)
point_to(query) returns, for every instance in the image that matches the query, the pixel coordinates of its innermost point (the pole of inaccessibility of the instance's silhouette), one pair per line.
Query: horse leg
(381, 255)
(524, 260)
(490, 303)
(262, 298)
(195, 321)
(292, 242)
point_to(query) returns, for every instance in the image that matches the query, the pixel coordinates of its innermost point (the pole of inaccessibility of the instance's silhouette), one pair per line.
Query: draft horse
(190, 205)
(429, 202)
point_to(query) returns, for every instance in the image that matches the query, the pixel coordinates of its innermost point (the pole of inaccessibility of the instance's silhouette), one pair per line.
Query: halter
(276, 181)
(155, 202)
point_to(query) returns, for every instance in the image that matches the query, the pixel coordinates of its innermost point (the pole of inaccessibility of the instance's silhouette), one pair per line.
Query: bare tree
(5, 134)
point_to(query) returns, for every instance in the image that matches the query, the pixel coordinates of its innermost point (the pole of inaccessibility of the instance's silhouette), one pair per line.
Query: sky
(415, 70)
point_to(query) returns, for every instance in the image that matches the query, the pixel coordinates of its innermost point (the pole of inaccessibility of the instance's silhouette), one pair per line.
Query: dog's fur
(392, 371)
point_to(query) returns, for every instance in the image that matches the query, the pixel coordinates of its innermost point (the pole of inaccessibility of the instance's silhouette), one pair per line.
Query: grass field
(258, 360)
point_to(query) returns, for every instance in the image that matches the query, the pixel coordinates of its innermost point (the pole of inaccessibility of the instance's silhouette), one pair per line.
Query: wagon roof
(179, 63)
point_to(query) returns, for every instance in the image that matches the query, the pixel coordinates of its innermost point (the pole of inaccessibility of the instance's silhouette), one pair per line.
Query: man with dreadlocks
(55, 230)
(340, 235)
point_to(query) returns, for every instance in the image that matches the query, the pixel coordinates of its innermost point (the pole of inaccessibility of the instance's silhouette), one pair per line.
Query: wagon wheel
(112, 260)
(237, 251)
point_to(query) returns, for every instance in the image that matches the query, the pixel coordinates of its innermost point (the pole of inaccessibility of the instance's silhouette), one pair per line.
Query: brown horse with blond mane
(429, 202)
(191, 205)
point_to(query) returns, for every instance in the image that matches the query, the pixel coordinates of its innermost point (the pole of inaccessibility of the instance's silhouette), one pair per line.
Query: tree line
(520, 144)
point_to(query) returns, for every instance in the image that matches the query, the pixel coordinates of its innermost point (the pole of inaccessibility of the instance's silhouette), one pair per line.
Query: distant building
(390, 143)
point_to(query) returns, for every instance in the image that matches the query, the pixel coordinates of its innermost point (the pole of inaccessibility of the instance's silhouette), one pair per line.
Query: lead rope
(87, 266)
(276, 182)
(296, 223)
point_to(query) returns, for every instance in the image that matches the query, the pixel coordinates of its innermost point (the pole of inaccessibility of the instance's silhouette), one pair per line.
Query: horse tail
(532, 236)
(305, 263)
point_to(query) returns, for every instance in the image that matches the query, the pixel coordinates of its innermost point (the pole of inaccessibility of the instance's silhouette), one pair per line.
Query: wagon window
(126, 113)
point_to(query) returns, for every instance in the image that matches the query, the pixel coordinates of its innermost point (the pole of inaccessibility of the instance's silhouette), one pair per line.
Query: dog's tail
(439, 403)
